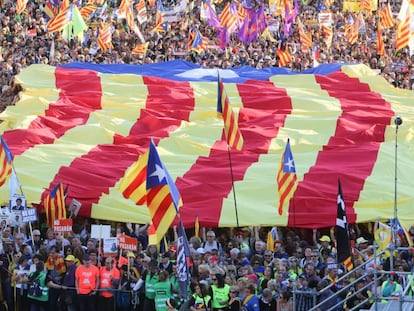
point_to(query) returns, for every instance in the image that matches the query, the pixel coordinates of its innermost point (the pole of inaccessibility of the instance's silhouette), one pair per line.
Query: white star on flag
(289, 164)
(159, 172)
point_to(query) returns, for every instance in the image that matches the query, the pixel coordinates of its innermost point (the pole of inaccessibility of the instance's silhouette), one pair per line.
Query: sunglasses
(233, 292)
(214, 280)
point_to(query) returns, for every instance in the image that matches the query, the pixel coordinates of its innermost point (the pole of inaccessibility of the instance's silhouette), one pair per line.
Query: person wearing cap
(109, 277)
(150, 278)
(166, 263)
(68, 295)
(324, 243)
(87, 282)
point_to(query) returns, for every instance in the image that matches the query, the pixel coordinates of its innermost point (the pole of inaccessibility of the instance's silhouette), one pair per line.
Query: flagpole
(398, 121)
(232, 185)
(21, 191)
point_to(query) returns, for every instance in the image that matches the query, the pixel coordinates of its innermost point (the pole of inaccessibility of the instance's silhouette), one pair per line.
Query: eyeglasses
(36, 234)
(210, 236)
(214, 280)
(233, 292)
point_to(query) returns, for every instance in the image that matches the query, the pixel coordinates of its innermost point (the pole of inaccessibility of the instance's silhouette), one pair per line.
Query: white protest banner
(29, 215)
(100, 231)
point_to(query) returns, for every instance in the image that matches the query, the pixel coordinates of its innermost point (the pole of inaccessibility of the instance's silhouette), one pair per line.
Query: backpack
(34, 288)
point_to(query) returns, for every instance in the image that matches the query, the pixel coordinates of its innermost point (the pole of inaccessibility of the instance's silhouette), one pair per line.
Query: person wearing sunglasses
(219, 293)
(234, 302)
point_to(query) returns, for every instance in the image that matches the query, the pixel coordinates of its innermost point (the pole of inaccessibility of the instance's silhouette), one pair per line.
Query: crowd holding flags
(286, 178)
(344, 254)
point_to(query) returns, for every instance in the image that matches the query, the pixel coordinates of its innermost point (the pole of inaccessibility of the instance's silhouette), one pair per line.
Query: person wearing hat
(166, 263)
(68, 295)
(87, 283)
(150, 278)
(324, 243)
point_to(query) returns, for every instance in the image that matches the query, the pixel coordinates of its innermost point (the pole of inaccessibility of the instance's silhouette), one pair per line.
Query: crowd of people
(230, 269)
(25, 40)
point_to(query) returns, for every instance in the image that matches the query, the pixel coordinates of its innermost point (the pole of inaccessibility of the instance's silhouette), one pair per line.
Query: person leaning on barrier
(87, 282)
(68, 297)
(109, 277)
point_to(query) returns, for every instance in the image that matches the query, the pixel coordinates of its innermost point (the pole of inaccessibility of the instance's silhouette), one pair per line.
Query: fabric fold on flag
(183, 260)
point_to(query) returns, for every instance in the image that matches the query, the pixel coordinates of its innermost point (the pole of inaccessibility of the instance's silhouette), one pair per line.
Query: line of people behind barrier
(234, 270)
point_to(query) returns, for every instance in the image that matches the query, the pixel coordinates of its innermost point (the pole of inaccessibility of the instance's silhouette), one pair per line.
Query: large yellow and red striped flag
(6, 161)
(60, 20)
(21, 6)
(234, 137)
(163, 197)
(134, 184)
(286, 178)
(380, 42)
(284, 57)
(54, 204)
(386, 19)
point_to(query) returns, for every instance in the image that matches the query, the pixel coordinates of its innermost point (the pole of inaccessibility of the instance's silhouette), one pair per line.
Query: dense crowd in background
(230, 269)
(24, 40)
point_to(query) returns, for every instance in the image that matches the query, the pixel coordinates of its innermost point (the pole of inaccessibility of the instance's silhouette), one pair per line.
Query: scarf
(58, 264)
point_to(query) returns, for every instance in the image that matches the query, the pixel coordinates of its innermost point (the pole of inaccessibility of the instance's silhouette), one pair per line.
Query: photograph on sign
(15, 219)
(18, 202)
(100, 231)
(110, 245)
(74, 208)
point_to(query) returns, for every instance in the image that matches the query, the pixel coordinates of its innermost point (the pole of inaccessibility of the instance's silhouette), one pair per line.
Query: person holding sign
(87, 282)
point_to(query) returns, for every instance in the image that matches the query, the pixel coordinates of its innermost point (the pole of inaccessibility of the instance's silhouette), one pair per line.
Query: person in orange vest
(109, 277)
(87, 282)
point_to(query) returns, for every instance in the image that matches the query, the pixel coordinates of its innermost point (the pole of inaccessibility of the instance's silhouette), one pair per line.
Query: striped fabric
(105, 37)
(286, 178)
(234, 137)
(403, 33)
(21, 6)
(141, 11)
(60, 20)
(87, 10)
(133, 184)
(140, 49)
(380, 43)
(305, 38)
(284, 57)
(54, 204)
(386, 19)
(6, 161)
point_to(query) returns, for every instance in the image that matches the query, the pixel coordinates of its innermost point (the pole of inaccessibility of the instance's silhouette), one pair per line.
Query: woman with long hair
(219, 293)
